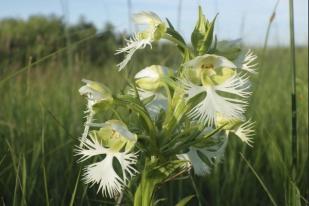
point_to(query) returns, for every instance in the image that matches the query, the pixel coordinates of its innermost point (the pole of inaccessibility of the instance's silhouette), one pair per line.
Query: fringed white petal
(127, 160)
(213, 103)
(102, 172)
(245, 132)
(238, 85)
(91, 147)
(191, 89)
(247, 62)
(133, 45)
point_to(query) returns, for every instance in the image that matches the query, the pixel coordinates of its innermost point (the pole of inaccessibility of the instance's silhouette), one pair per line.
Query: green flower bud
(151, 78)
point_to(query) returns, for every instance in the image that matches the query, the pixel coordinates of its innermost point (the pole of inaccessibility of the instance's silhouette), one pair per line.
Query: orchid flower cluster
(168, 121)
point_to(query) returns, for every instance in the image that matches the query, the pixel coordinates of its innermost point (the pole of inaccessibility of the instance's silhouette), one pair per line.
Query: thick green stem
(145, 191)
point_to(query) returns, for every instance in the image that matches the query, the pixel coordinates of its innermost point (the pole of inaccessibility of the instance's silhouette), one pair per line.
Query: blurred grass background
(41, 117)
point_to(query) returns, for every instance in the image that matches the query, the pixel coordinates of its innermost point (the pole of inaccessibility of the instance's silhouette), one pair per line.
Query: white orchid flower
(202, 159)
(98, 96)
(155, 30)
(218, 77)
(115, 141)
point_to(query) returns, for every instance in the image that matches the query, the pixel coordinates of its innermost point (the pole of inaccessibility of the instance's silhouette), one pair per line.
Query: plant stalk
(293, 94)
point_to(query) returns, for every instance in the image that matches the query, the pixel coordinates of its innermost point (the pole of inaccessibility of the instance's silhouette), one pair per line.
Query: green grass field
(41, 117)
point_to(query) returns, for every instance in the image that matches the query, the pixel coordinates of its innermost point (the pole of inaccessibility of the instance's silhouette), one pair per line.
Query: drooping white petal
(133, 45)
(127, 160)
(247, 61)
(245, 132)
(102, 172)
(213, 103)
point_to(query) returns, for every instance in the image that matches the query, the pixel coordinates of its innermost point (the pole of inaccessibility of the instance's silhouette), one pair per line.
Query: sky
(246, 19)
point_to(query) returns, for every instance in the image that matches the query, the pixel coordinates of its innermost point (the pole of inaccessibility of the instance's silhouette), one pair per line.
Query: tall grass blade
(24, 181)
(294, 197)
(45, 185)
(198, 193)
(271, 19)
(293, 94)
(66, 14)
(75, 189)
(16, 185)
(259, 179)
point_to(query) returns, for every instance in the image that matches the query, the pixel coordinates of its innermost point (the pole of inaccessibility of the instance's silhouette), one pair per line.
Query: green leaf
(171, 31)
(184, 201)
(181, 44)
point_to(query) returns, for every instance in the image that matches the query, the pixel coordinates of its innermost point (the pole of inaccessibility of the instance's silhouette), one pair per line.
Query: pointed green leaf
(184, 201)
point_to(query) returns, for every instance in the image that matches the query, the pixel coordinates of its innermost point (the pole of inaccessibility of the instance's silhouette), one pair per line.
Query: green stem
(196, 189)
(145, 190)
(293, 95)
